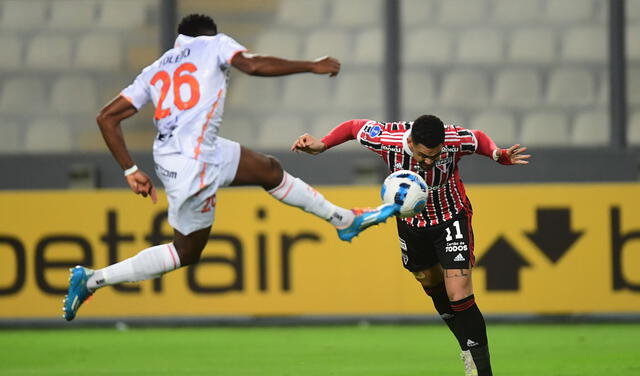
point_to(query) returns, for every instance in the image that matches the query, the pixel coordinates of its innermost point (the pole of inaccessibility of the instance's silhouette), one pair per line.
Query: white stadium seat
(591, 128)
(307, 92)
(465, 89)
(571, 87)
(416, 12)
(11, 48)
(49, 52)
(122, 14)
(569, 11)
(518, 88)
(633, 86)
(10, 141)
(279, 43)
(585, 44)
(23, 95)
(279, 131)
(633, 129)
(22, 14)
(633, 10)
(532, 46)
(369, 47)
(516, 11)
(356, 13)
(418, 90)
(240, 129)
(633, 43)
(74, 94)
(96, 51)
(500, 126)
(46, 135)
(462, 11)
(360, 91)
(545, 129)
(248, 93)
(480, 46)
(334, 43)
(427, 46)
(73, 14)
(302, 13)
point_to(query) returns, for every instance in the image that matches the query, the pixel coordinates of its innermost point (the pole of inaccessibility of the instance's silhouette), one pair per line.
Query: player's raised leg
(258, 169)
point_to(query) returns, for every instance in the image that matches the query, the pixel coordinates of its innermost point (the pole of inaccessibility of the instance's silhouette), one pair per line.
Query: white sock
(293, 191)
(147, 264)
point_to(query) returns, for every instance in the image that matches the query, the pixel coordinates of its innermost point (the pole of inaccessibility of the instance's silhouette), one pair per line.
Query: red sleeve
(343, 132)
(486, 146)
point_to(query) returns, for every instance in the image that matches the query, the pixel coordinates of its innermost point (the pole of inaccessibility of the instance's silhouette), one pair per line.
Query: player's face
(426, 157)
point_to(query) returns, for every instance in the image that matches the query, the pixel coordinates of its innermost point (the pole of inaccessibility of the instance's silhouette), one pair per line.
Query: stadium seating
(48, 135)
(418, 90)
(331, 42)
(465, 89)
(11, 48)
(302, 13)
(240, 129)
(23, 15)
(49, 52)
(518, 88)
(633, 86)
(571, 87)
(358, 90)
(99, 52)
(480, 46)
(417, 12)
(74, 94)
(279, 42)
(427, 46)
(356, 13)
(516, 11)
(585, 44)
(369, 47)
(122, 14)
(252, 93)
(633, 129)
(500, 126)
(279, 131)
(569, 11)
(10, 141)
(591, 128)
(23, 95)
(545, 128)
(530, 45)
(307, 92)
(73, 14)
(460, 12)
(633, 43)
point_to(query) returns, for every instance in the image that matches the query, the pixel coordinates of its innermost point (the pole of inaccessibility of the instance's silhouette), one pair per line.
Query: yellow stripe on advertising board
(539, 249)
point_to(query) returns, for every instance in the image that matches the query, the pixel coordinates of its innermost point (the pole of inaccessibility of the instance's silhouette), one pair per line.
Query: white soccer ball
(407, 189)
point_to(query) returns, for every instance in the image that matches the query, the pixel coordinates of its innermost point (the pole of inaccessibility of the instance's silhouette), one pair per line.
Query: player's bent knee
(274, 172)
(427, 278)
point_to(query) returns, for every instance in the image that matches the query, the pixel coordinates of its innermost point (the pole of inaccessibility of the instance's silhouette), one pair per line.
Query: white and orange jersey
(187, 85)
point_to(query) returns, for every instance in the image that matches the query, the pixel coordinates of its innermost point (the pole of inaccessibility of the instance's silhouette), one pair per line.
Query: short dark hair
(427, 130)
(195, 25)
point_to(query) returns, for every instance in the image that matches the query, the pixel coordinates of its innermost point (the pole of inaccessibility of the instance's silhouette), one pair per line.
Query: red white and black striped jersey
(447, 195)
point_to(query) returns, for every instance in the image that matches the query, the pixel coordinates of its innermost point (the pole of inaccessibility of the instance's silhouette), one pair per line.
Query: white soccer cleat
(469, 365)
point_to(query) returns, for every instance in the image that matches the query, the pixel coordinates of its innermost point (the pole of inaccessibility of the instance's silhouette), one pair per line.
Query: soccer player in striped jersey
(436, 244)
(188, 85)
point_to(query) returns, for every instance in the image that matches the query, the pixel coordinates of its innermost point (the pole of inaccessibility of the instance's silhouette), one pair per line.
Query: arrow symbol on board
(553, 235)
(503, 264)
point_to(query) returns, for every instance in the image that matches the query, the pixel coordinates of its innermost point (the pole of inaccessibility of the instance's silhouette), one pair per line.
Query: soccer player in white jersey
(188, 86)
(436, 244)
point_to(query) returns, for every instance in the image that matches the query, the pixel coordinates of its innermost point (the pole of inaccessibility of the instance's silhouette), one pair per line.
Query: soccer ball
(407, 189)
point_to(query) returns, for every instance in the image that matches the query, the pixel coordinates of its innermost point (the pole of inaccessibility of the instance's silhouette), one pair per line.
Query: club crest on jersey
(444, 161)
(374, 130)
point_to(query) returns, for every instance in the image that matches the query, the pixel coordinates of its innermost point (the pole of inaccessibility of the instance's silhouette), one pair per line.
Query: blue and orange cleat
(366, 218)
(78, 292)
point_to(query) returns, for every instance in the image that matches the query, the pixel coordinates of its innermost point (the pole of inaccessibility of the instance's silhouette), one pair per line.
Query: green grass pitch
(378, 350)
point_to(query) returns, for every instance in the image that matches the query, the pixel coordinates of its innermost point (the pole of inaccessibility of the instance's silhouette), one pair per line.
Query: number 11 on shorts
(456, 224)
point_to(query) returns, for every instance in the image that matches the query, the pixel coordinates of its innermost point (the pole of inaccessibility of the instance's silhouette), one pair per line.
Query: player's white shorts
(191, 185)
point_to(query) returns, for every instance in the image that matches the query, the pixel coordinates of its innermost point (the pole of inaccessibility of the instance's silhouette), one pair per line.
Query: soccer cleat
(366, 218)
(469, 365)
(78, 291)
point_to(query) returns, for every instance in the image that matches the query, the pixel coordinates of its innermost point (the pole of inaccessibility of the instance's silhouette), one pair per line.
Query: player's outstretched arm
(109, 120)
(514, 154)
(308, 144)
(510, 156)
(261, 65)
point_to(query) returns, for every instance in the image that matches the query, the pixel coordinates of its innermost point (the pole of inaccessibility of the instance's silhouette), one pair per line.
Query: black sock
(472, 333)
(441, 301)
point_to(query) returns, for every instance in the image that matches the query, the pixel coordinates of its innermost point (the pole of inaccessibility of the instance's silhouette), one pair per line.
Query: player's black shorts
(449, 243)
